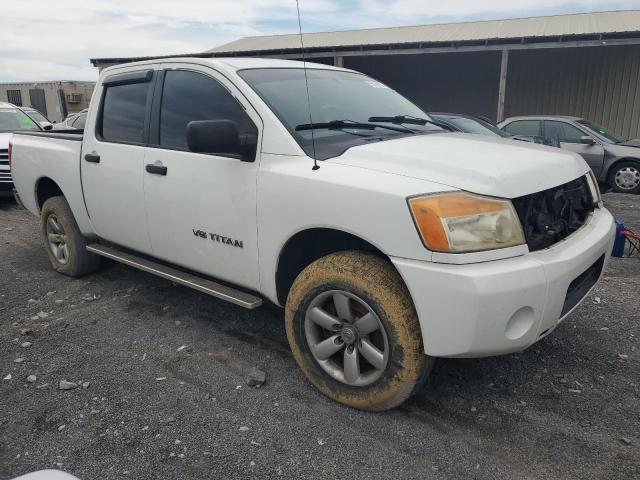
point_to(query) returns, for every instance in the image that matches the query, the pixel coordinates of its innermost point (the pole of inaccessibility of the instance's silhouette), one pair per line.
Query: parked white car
(12, 119)
(37, 116)
(387, 240)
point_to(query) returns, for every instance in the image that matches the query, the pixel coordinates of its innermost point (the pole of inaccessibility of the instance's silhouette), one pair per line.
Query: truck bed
(40, 160)
(68, 134)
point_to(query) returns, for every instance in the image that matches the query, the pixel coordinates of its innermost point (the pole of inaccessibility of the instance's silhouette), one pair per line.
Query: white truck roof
(232, 63)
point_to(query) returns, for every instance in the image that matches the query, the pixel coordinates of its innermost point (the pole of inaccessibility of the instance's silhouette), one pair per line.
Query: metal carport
(581, 64)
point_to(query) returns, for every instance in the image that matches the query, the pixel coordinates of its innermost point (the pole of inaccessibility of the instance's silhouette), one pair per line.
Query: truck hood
(475, 163)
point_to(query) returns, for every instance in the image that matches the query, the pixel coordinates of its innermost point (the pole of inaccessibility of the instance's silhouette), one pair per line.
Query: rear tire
(624, 177)
(63, 242)
(345, 287)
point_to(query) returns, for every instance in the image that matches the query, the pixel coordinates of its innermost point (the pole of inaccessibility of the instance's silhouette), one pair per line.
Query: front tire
(625, 177)
(65, 245)
(354, 332)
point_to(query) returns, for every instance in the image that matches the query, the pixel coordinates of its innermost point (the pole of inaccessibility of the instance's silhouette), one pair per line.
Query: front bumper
(16, 196)
(503, 306)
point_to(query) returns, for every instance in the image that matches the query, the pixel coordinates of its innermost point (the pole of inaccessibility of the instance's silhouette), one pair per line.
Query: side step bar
(204, 285)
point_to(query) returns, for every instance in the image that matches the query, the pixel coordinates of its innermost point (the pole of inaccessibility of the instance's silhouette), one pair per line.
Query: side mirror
(46, 126)
(587, 140)
(221, 137)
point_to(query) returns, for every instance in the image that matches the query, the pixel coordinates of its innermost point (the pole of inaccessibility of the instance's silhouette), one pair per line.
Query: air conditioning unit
(74, 97)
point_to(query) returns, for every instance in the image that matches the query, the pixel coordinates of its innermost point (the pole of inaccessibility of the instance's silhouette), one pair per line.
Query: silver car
(75, 121)
(614, 160)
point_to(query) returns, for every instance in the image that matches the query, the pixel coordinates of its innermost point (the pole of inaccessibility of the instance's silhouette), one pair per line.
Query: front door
(112, 159)
(569, 138)
(201, 208)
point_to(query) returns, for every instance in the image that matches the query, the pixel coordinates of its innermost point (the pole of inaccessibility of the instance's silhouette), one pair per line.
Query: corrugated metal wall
(599, 83)
(448, 82)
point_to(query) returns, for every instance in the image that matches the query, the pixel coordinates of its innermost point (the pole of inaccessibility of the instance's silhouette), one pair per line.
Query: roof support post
(502, 89)
(338, 61)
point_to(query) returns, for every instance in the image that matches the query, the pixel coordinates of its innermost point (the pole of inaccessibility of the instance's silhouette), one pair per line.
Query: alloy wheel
(57, 240)
(346, 338)
(627, 178)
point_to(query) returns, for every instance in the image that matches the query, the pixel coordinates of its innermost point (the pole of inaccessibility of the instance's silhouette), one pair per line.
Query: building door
(63, 104)
(36, 95)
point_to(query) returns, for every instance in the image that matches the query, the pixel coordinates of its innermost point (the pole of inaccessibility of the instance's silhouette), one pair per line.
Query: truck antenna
(306, 82)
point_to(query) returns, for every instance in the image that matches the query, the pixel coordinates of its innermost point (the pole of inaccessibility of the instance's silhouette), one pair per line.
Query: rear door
(201, 208)
(569, 138)
(113, 155)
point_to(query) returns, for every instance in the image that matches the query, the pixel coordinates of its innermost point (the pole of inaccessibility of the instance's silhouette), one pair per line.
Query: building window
(15, 97)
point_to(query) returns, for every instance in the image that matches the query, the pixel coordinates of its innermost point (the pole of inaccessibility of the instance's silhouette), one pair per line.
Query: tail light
(9, 154)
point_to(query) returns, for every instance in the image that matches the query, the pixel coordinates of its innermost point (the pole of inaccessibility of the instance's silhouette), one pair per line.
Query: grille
(5, 174)
(552, 215)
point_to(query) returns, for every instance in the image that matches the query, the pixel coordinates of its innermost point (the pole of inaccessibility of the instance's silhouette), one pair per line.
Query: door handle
(156, 169)
(92, 157)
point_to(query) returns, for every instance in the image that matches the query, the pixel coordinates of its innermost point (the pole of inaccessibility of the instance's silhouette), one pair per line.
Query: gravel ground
(166, 396)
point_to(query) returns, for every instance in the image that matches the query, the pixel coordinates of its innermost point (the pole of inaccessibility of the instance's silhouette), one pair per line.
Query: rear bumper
(504, 306)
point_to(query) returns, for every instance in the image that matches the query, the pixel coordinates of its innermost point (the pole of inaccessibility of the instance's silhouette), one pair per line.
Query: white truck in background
(388, 241)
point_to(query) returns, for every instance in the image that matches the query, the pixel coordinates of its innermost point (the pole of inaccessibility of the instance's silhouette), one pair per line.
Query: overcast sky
(54, 39)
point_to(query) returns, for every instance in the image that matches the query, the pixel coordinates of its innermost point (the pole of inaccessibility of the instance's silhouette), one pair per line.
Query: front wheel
(625, 177)
(63, 241)
(354, 332)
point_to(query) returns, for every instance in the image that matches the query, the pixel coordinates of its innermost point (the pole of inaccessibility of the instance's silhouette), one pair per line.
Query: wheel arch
(308, 245)
(616, 162)
(46, 188)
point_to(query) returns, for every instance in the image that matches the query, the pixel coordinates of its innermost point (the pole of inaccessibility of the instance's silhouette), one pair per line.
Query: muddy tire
(63, 242)
(354, 332)
(624, 177)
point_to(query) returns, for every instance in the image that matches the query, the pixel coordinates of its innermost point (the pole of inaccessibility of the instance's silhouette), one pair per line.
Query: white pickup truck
(388, 241)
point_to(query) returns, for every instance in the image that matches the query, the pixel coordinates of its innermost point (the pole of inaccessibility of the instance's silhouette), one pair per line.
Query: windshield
(334, 96)
(601, 132)
(37, 116)
(473, 125)
(12, 120)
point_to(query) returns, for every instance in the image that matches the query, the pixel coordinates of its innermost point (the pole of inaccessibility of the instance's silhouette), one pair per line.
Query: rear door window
(523, 127)
(123, 113)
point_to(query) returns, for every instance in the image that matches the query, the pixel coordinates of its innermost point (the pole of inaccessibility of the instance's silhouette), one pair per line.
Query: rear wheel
(625, 177)
(354, 332)
(65, 245)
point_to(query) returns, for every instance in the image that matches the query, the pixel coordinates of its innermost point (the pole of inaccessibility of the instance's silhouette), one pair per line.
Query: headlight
(463, 222)
(594, 189)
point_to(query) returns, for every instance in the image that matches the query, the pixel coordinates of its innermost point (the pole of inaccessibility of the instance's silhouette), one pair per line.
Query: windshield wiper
(343, 124)
(409, 119)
